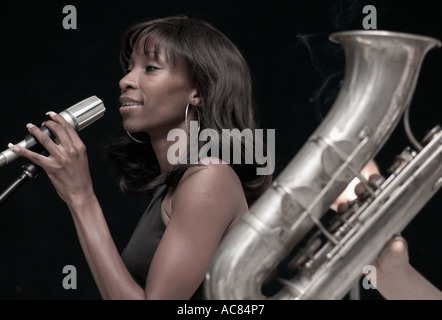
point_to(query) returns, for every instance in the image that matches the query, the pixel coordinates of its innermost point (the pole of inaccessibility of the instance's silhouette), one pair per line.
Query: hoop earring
(136, 140)
(185, 119)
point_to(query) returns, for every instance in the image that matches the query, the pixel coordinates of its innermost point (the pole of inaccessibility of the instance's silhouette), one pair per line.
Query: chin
(130, 126)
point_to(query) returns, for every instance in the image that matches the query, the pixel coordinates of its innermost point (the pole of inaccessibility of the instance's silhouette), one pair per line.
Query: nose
(128, 81)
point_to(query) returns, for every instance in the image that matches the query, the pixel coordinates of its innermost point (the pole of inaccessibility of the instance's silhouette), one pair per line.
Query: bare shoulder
(211, 184)
(211, 176)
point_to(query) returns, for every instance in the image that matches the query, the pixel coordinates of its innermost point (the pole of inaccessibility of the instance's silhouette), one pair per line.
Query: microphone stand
(30, 171)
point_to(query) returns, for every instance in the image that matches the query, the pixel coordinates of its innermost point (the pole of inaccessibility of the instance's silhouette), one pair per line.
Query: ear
(196, 99)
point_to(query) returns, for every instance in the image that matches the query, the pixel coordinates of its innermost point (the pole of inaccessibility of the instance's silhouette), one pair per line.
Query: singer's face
(154, 94)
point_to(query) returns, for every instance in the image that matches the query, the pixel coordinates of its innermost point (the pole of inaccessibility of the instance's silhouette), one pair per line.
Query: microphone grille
(84, 112)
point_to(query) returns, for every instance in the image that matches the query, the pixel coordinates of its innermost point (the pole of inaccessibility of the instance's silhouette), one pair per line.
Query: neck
(160, 147)
(167, 152)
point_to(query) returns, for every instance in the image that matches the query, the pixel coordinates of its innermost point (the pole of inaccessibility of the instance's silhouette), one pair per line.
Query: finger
(62, 121)
(398, 245)
(34, 157)
(58, 131)
(42, 138)
(343, 207)
(360, 189)
(374, 182)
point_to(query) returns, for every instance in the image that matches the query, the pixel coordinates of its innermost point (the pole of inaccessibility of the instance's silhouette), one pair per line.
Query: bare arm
(110, 274)
(206, 203)
(67, 167)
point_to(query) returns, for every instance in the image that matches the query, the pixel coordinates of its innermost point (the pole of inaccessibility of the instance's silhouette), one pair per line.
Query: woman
(178, 70)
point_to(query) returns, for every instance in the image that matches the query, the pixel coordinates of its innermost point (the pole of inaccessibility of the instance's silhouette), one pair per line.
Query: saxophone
(288, 220)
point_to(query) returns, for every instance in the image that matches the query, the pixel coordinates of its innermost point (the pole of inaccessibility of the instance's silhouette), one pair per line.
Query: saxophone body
(381, 73)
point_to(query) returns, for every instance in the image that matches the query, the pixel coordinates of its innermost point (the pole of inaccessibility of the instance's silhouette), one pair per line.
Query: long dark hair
(224, 83)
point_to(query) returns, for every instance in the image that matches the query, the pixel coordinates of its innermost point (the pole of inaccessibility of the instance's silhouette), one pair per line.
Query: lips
(127, 104)
(131, 104)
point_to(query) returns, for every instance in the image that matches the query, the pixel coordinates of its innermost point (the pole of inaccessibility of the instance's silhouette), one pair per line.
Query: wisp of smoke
(327, 58)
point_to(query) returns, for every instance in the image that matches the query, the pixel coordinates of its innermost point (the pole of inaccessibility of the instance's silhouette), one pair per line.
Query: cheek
(157, 94)
(175, 92)
(157, 115)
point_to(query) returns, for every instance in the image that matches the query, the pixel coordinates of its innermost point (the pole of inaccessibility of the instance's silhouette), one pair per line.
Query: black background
(45, 67)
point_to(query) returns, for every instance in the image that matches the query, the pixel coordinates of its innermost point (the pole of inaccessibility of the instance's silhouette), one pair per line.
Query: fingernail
(50, 113)
(29, 125)
(13, 147)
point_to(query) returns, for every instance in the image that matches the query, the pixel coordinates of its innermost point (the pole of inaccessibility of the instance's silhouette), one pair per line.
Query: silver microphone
(79, 116)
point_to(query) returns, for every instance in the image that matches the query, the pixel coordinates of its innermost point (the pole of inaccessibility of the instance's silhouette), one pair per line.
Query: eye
(151, 68)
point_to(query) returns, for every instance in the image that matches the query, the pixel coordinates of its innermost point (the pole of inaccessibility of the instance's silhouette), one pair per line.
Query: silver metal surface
(78, 116)
(380, 77)
(84, 113)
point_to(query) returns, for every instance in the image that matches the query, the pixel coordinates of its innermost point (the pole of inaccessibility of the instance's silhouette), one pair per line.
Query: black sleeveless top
(139, 251)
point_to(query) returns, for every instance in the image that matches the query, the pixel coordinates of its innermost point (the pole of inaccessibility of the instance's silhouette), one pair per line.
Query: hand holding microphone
(67, 163)
(78, 116)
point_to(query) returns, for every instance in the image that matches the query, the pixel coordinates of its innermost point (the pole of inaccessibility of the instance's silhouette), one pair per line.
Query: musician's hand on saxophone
(349, 195)
(396, 278)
